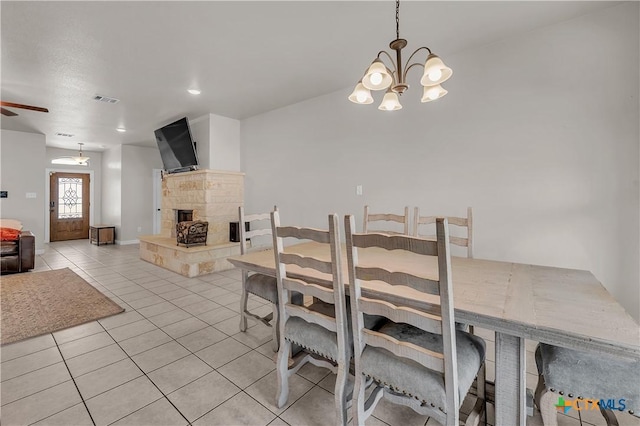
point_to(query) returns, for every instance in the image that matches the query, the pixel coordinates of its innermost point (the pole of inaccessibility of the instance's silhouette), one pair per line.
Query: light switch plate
(31, 195)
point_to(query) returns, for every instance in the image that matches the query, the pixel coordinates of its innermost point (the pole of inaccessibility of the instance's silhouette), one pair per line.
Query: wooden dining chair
(587, 377)
(464, 222)
(387, 217)
(320, 328)
(418, 358)
(260, 285)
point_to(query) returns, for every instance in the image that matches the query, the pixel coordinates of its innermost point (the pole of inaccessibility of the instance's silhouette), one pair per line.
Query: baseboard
(127, 242)
(39, 251)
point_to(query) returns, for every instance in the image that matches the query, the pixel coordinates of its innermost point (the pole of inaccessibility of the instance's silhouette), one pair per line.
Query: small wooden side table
(102, 234)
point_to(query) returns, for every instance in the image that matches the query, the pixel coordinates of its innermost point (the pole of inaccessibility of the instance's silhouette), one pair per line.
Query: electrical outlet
(31, 195)
(359, 190)
(139, 228)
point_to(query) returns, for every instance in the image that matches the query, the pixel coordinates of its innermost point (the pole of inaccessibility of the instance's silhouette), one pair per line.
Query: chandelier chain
(397, 19)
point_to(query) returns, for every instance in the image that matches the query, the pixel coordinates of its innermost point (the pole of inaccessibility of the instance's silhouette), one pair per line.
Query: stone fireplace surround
(213, 196)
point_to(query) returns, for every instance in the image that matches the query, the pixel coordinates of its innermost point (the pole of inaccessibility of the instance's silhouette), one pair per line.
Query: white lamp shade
(390, 102)
(377, 76)
(71, 161)
(360, 95)
(431, 93)
(435, 71)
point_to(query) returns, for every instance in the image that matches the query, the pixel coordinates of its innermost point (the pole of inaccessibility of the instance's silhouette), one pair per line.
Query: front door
(69, 206)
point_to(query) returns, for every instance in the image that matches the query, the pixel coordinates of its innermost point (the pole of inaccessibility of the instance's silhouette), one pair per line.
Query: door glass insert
(69, 198)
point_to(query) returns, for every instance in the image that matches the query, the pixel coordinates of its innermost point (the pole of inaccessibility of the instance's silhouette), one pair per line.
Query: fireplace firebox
(184, 216)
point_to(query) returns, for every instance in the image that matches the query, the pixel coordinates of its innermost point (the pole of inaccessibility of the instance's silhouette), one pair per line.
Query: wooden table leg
(511, 384)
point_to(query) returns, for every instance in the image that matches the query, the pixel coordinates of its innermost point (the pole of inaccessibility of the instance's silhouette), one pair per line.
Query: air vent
(65, 135)
(106, 99)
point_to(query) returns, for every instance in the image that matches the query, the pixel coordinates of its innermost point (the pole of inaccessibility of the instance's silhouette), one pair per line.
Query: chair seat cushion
(263, 286)
(590, 375)
(318, 339)
(404, 375)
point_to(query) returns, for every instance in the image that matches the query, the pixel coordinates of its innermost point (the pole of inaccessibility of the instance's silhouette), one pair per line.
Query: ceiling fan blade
(32, 108)
(7, 112)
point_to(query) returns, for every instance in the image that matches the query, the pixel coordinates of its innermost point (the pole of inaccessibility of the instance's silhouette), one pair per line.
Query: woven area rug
(35, 303)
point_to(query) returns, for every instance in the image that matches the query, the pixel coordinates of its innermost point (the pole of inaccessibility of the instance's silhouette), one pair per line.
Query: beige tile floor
(174, 357)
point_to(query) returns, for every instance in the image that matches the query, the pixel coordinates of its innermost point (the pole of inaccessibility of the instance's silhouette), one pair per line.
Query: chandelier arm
(416, 51)
(406, 70)
(395, 68)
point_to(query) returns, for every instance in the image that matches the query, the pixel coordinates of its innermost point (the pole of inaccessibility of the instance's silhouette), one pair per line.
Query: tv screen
(176, 146)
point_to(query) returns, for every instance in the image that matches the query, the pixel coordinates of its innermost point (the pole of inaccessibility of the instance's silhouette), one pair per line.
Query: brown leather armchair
(19, 255)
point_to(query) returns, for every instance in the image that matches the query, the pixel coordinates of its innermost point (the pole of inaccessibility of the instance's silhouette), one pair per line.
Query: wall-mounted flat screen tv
(176, 146)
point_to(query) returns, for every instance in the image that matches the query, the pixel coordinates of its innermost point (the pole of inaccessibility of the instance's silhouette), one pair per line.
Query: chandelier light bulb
(434, 75)
(376, 78)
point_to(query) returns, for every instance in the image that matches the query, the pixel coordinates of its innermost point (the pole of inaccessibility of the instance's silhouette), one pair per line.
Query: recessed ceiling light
(121, 129)
(194, 91)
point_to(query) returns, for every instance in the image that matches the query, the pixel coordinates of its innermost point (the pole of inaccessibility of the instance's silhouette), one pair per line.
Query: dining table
(558, 306)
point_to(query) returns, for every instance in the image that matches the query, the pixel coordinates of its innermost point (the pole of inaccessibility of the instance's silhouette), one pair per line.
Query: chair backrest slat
(312, 317)
(424, 285)
(387, 217)
(260, 216)
(310, 289)
(396, 242)
(306, 262)
(423, 320)
(430, 359)
(257, 232)
(304, 234)
(465, 222)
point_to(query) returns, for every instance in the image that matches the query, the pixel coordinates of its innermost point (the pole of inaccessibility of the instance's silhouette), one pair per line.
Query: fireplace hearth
(211, 196)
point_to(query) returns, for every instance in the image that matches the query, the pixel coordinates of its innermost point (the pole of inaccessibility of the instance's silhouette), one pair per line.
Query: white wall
(539, 133)
(112, 188)
(200, 132)
(22, 163)
(224, 151)
(218, 142)
(137, 191)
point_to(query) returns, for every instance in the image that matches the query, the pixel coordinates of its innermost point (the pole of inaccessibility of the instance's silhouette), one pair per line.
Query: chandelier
(79, 160)
(379, 77)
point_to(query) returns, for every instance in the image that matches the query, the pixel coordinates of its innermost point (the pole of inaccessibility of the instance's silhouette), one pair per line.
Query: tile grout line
(74, 382)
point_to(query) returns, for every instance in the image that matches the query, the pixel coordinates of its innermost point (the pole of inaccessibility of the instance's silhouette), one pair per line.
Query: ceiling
(246, 57)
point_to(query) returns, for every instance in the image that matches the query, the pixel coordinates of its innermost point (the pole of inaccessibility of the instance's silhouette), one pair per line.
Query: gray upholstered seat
(263, 286)
(408, 377)
(318, 339)
(578, 374)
